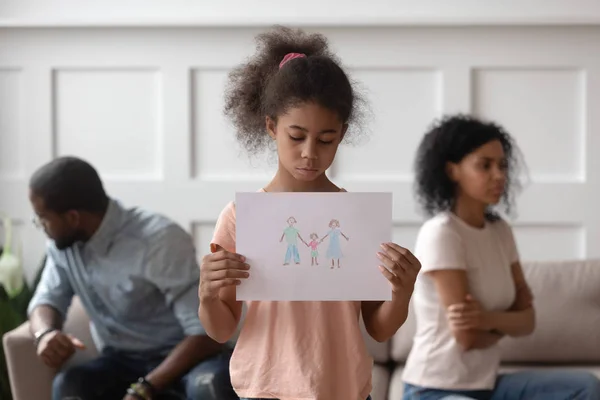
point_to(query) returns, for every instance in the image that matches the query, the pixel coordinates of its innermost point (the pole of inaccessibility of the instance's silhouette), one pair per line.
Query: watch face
(38, 334)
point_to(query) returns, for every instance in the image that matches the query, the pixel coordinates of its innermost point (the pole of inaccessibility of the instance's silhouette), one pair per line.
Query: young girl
(334, 250)
(314, 248)
(472, 292)
(294, 93)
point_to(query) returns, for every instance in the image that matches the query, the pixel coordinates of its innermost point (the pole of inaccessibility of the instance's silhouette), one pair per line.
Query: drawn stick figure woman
(334, 251)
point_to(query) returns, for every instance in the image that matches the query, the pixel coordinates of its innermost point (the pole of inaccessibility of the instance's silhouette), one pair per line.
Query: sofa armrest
(29, 378)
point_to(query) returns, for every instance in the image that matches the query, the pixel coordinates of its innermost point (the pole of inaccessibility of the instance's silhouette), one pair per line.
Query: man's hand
(55, 348)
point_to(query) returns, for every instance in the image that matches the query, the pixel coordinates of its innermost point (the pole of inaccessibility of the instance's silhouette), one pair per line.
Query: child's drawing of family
(334, 250)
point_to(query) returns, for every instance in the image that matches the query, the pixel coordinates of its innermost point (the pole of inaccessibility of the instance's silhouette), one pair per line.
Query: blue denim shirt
(137, 278)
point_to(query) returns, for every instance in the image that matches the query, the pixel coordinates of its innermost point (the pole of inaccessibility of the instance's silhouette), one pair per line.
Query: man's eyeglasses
(37, 222)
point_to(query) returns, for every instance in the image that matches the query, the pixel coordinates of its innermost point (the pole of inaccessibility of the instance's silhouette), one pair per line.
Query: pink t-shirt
(297, 350)
(313, 245)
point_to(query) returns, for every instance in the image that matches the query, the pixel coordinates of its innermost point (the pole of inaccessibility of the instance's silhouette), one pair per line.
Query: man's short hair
(69, 183)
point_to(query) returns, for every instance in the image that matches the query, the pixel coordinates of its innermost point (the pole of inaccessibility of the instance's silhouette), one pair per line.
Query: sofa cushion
(381, 382)
(403, 339)
(396, 389)
(379, 351)
(396, 386)
(567, 304)
(592, 369)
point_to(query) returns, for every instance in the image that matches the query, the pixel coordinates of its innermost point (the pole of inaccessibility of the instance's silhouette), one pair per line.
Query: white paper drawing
(326, 245)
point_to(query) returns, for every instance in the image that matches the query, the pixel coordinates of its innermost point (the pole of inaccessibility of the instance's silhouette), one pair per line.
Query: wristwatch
(37, 336)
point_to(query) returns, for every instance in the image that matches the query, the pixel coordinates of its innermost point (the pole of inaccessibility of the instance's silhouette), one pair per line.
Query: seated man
(137, 276)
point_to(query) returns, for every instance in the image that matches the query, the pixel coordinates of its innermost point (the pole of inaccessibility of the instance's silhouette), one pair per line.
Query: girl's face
(307, 138)
(334, 224)
(314, 236)
(481, 175)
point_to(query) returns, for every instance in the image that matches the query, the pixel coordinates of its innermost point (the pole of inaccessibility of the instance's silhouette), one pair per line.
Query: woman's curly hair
(258, 88)
(450, 139)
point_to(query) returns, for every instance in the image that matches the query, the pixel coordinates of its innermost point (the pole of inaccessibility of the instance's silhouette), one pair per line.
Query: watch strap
(37, 337)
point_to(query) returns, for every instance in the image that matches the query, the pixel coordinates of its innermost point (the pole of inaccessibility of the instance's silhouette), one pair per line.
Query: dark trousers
(108, 377)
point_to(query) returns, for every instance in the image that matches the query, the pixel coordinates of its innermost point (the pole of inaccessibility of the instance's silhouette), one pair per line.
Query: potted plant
(15, 295)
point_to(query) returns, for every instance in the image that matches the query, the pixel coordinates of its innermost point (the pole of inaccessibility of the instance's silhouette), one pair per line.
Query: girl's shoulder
(228, 211)
(224, 234)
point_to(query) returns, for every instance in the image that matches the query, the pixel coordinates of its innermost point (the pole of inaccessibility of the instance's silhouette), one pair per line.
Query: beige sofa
(567, 300)
(567, 335)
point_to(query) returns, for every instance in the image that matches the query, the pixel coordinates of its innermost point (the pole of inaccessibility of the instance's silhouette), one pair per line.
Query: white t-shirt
(486, 254)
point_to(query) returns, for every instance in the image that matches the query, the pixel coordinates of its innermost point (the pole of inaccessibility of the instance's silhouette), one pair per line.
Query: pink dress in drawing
(314, 252)
(313, 245)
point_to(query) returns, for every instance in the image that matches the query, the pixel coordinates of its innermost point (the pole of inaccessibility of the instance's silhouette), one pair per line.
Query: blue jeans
(245, 398)
(108, 377)
(526, 385)
(292, 251)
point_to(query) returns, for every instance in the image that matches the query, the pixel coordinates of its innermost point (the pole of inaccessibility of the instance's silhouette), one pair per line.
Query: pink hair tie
(290, 56)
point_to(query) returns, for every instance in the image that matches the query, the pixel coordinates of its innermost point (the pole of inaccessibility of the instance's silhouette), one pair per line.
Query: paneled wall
(144, 105)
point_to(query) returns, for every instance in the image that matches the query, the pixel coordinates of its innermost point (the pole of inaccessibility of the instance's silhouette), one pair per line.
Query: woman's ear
(271, 126)
(452, 171)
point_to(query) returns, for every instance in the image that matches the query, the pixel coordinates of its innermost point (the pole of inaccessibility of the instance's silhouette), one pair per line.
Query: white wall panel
(402, 103)
(202, 234)
(111, 117)
(217, 154)
(158, 93)
(544, 109)
(310, 12)
(11, 128)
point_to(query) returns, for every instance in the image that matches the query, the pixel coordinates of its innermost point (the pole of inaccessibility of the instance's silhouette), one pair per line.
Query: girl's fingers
(226, 274)
(397, 257)
(397, 266)
(225, 282)
(224, 255)
(389, 264)
(389, 276)
(228, 264)
(413, 261)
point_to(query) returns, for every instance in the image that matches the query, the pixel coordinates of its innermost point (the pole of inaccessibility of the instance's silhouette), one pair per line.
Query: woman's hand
(219, 270)
(467, 315)
(400, 267)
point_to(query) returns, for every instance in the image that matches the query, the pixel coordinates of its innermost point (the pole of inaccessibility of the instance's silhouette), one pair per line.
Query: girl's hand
(467, 315)
(400, 267)
(219, 270)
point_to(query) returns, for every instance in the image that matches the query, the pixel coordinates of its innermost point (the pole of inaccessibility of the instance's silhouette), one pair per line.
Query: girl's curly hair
(259, 88)
(450, 139)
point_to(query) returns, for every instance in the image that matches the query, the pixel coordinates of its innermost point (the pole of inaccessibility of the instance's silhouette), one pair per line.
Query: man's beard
(68, 241)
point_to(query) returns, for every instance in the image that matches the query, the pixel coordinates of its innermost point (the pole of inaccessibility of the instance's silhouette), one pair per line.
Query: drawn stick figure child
(334, 251)
(314, 251)
(291, 235)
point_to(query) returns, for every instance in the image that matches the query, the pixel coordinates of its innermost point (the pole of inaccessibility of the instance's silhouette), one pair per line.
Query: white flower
(11, 269)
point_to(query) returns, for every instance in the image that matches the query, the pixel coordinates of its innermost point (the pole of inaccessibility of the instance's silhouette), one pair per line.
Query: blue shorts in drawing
(334, 250)
(291, 235)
